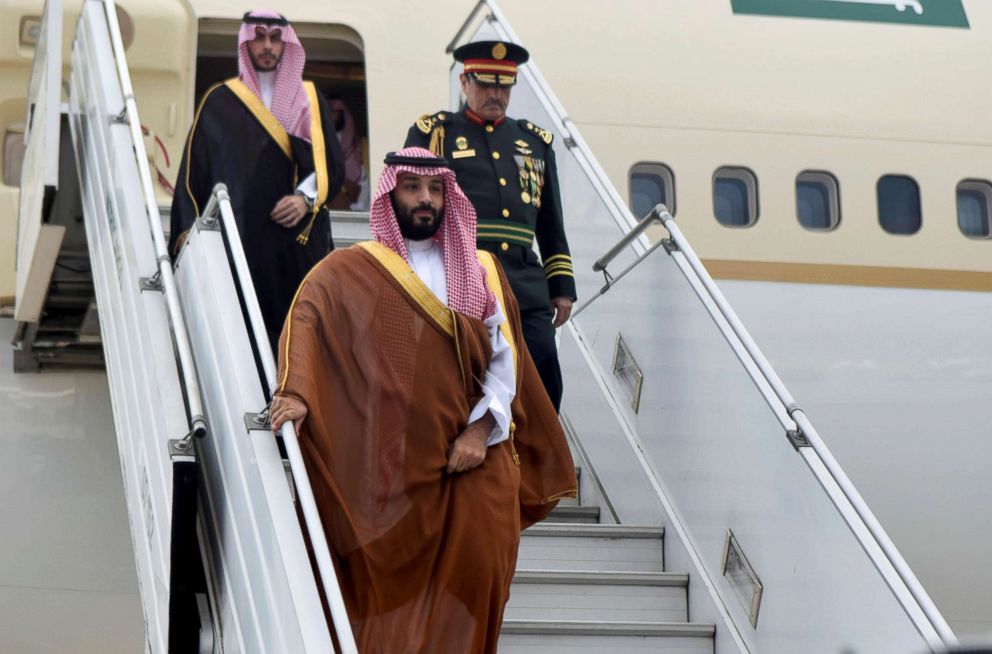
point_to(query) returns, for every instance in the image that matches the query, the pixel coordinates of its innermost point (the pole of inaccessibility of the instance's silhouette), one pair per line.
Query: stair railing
(654, 217)
(177, 322)
(860, 519)
(219, 209)
(807, 441)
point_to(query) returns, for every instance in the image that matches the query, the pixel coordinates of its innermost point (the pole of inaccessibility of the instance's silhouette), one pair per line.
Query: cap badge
(499, 51)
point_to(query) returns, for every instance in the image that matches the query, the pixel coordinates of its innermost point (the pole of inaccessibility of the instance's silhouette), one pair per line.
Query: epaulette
(541, 133)
(428, 122)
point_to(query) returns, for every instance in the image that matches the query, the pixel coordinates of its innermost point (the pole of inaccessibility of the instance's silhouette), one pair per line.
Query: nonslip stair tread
(573, 513)
(594, 531)
(592, 547)
(571, 595)
(589, 628)
(601, 577)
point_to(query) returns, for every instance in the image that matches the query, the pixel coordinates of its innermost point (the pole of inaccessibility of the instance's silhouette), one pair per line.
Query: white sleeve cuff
(308, 187)
(499, 386)
(501, 426)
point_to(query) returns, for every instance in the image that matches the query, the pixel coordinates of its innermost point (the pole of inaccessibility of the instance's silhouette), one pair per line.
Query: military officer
(507, 169)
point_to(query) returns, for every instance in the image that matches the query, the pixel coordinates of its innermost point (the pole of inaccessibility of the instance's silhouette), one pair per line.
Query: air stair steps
(576, 596)
(536, 637)
(592, 548)
(575, 514)
(590, 587)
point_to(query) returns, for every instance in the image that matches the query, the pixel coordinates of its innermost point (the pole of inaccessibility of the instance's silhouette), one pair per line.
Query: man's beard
(260, 69)
(411, 228)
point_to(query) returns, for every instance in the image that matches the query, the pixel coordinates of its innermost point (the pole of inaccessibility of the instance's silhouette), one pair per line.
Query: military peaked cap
(492, 62)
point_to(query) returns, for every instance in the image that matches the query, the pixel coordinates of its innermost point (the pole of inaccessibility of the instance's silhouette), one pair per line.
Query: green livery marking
(939, 13)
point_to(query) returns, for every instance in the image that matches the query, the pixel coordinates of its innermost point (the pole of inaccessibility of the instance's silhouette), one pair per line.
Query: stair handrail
(653, 217)
(784, 405)
(809, 437)
(177, 322)
(219, 208)
(770, 386)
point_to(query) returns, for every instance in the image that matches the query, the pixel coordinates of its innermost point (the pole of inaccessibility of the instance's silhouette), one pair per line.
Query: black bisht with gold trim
(236, 140)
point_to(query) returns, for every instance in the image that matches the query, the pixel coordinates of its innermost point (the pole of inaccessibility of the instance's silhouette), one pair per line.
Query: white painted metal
(38, 243)
(349, 227)
(130, 111)
(571, 596)
(708, 433)
(712, 449)
(221, 202)
(896, 381)
(933, 627)
(540, 638)
(142, 372)
(264, 586)
(592, 548)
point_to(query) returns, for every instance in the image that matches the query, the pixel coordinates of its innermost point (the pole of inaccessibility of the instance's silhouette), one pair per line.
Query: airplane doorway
(335, 64)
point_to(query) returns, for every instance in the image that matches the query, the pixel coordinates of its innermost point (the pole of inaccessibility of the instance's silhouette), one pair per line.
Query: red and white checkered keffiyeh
(289, 99)
(468, 293)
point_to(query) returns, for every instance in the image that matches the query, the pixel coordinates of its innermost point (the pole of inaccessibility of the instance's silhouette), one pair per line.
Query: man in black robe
(268, 136)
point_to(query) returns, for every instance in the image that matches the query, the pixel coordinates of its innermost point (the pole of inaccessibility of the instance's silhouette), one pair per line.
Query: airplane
(825, 165)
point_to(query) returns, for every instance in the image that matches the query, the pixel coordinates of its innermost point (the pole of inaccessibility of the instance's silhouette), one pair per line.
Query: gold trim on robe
(412, 284)
(492, 278)
(264, 116)
(318, 145)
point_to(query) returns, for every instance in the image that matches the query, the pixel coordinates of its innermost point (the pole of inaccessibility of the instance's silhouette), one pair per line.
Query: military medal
(462, 144)
(538, 180)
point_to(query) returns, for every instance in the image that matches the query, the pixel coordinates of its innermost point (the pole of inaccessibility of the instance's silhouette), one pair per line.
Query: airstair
(582, 585)
(711, 516)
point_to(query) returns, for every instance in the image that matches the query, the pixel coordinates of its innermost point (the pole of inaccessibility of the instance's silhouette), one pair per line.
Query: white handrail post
(220, 201)
(905, 574)
(198, 424)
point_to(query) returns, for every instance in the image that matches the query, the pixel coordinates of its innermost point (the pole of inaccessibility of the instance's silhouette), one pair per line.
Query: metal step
(349, 227)
(570, 595)
(574, 514)
(592, 548)
(577, 500)
(533, 637)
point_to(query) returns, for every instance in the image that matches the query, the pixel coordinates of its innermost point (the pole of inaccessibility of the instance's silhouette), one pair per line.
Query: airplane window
(974, 200)
(899, 204)
(817, 200)
(735, 196)
(651, 184)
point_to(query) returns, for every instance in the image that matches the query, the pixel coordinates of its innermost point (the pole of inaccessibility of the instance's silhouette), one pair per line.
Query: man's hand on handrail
(285, 408)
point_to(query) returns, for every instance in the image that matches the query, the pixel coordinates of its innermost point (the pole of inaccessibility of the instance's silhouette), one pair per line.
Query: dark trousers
(539, 332)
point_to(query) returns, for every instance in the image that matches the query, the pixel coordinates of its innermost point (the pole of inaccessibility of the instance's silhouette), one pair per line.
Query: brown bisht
(389, 375)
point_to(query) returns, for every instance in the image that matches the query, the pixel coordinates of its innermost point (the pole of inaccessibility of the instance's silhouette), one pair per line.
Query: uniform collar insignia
(479, 120)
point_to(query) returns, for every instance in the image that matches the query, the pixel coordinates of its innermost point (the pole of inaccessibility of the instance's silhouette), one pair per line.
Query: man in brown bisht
(428, 436)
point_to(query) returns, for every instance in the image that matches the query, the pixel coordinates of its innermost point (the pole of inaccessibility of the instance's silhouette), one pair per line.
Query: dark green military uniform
(507, 169)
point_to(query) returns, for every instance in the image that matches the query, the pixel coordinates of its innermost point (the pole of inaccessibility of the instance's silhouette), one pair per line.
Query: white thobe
(267, 84)
(499, 385)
